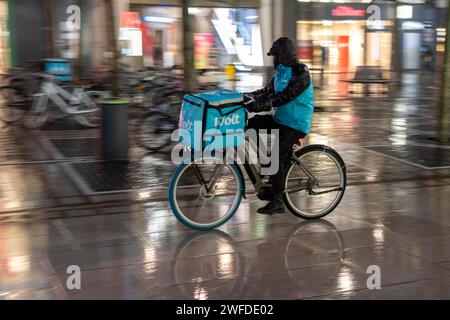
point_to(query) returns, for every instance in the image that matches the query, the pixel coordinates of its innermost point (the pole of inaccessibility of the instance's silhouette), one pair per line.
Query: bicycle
(154, 128)
(18, 86)
(212, 188)
(13, 103)
(79, 103)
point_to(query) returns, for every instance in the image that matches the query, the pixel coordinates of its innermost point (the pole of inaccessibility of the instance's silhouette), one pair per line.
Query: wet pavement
(60, 205)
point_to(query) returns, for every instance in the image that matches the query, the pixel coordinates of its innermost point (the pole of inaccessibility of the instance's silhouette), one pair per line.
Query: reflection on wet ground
(60, 205)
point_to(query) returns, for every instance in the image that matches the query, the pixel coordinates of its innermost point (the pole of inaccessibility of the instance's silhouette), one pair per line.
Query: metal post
(397, 47)
(112, 39)
(12, 34)
(49, 28)
(445, 89)
(78, 62)
(188, 50)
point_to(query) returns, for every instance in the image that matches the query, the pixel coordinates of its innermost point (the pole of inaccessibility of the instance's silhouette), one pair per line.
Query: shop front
(339, 37)
(222, 35)
(417, 27)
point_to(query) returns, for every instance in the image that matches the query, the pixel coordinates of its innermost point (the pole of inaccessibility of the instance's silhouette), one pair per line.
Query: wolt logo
(220, 121)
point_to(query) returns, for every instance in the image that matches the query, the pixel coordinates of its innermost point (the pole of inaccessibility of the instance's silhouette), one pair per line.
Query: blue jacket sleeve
(268, 89)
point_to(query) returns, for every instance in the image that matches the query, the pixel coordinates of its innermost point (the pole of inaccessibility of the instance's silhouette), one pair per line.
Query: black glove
(262, 103)
(249, 103)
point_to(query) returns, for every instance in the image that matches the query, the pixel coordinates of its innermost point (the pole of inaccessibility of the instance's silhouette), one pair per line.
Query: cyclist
(290, 92)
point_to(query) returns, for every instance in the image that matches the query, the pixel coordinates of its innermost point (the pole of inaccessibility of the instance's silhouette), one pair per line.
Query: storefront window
(4, 36)
(342, 45)
(162, 40)
(221, 36)
(227, 36)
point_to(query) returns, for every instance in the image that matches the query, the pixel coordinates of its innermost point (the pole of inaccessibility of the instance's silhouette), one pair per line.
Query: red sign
(347, 11)
(202, 46)
(129, 19)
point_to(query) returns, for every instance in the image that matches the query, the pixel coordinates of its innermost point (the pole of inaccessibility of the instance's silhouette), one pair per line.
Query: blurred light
(345, 279)
(251, 17)
(133, 37)
(145, 195)
(18, 264)
(200, 293)
(193, 11)
(158, 19)
(404, 12)
(225, 264)
(347, 11)
(327, 22)
(241, 67)
(375, 25)
(441, 32)
(378, 233)
(221, 29)
(412, 25)
(412, 1)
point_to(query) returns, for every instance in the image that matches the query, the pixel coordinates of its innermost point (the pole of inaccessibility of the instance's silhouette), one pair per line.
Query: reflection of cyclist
(291, 93)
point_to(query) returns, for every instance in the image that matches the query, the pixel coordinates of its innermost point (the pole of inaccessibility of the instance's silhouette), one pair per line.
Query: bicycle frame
(257, 179)
(59, 96)
(252, 172)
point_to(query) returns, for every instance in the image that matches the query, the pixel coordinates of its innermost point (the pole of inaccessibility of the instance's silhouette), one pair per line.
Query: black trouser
(287, 138)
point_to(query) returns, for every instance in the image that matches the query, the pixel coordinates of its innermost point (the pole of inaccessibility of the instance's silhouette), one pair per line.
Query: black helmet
(284, 52)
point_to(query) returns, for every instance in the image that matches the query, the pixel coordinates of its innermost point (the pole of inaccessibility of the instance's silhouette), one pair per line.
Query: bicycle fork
(215, 177)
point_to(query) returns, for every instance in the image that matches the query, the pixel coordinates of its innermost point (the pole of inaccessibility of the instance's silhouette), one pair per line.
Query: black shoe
(274, 206)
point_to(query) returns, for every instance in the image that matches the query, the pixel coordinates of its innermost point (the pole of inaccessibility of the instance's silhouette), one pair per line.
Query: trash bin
(114, 129)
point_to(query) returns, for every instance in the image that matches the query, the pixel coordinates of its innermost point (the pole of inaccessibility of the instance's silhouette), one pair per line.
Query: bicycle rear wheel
(155, 131)
(37, 116)
(312, 198)
(200, 204)
(13, 104)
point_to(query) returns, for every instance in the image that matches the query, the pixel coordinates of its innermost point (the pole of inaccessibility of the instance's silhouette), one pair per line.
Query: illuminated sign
(159, 19)
(347, 11)
(129, 19)
(404, 12)
(412, 1)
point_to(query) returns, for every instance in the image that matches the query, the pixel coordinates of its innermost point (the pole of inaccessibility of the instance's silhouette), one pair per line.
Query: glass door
(379, 48)
(411, 50)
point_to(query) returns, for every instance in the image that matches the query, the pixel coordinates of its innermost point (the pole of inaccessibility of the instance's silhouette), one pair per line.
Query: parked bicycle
(155, 127)
(57, 101)
(18, 86)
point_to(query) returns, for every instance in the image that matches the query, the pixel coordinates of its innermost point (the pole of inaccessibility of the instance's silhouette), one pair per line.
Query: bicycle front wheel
(203, 196)
(316, 189)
